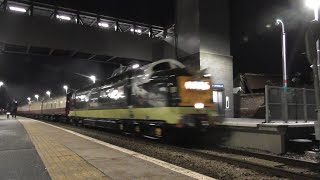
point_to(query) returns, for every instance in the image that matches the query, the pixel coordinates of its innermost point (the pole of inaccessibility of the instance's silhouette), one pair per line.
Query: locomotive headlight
(199, 105)
(197, 85)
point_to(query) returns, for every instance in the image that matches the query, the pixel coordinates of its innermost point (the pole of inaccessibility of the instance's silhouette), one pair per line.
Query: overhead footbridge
(41, 29)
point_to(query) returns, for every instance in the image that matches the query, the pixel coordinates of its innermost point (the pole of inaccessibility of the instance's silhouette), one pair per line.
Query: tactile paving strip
(61, 162)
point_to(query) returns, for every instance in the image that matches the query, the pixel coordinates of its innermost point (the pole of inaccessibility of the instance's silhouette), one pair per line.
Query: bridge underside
(22, 34)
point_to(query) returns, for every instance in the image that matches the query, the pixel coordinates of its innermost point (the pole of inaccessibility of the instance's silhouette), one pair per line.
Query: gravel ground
(174, 155)
(302, 157)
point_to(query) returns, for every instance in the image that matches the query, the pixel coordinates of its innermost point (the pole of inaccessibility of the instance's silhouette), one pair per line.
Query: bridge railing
(81, 17)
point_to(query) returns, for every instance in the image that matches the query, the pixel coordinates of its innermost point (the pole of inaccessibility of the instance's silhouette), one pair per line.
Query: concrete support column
(203, 41)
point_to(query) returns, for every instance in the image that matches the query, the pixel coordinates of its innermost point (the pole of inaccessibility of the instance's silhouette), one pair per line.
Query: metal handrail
(159, 30)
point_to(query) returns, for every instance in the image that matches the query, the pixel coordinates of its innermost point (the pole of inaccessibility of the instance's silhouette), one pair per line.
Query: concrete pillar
(203, 41)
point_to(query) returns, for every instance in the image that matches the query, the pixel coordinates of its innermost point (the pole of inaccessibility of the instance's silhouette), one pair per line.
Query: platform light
(17, 9)
(36, 96)
(312, 3)
(115, 27)
(104, 25)
(199, 105)
(48, 93)
(93, 79)
(1, 83)
(136, 30)
(135, 66)
(66, 88)
(29, 99)
(63, 17)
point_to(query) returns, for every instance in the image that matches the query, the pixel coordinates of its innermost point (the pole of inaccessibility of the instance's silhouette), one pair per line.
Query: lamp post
(284, 72)
(48, 93)
(284, 54)
(314, 4)
(37, 97)
(66, 88)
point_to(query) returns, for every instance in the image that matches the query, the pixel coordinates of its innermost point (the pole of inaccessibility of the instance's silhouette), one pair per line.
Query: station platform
(31, 149)
(255, 134)
(250, 122)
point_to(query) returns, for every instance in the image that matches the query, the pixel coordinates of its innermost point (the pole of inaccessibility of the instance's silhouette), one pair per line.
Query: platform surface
(68, 155)
(18, 156)
(250, 122)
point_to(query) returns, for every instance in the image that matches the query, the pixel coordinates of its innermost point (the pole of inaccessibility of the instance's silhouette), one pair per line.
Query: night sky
(255, 47)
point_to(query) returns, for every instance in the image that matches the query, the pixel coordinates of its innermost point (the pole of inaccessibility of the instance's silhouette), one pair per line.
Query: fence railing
(290, 104)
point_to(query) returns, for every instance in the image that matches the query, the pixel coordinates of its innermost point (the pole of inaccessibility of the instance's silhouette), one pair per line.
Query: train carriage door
(218, 98)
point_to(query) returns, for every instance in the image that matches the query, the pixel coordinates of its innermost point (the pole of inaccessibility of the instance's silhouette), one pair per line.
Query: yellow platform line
(61, 162)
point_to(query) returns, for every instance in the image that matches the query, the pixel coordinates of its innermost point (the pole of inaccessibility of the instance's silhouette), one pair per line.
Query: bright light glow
(312, 3)
(197, 85)
(199, 105)
(1, 83)
(93, 79)
(115, 94)
(136, 30)
(36, 96)
(66, 88)
(135, 66)
(29, 99)
(104, 25)
(17, 9)
(207, 75)
(62, 17)
(115, 27)
(268, 26)
(48, 93)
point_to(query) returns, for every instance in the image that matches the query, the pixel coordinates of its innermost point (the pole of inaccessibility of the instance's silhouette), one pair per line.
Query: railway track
(289, 161)
(265, 163)
(278, 166)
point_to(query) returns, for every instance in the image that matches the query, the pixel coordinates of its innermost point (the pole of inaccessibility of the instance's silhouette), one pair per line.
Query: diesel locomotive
(152, 100)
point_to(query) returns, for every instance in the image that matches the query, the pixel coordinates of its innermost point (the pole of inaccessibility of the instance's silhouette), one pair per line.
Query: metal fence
(291, 104)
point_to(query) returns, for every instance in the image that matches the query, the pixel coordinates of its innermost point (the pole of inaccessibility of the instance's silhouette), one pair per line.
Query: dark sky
(26, 76)
(145, 11)
(255, 48)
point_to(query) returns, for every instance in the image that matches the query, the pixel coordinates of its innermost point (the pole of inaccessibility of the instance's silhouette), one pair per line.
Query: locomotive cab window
(161, 67)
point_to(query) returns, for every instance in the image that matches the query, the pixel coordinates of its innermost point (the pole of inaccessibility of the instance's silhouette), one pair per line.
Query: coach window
(93, 99)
